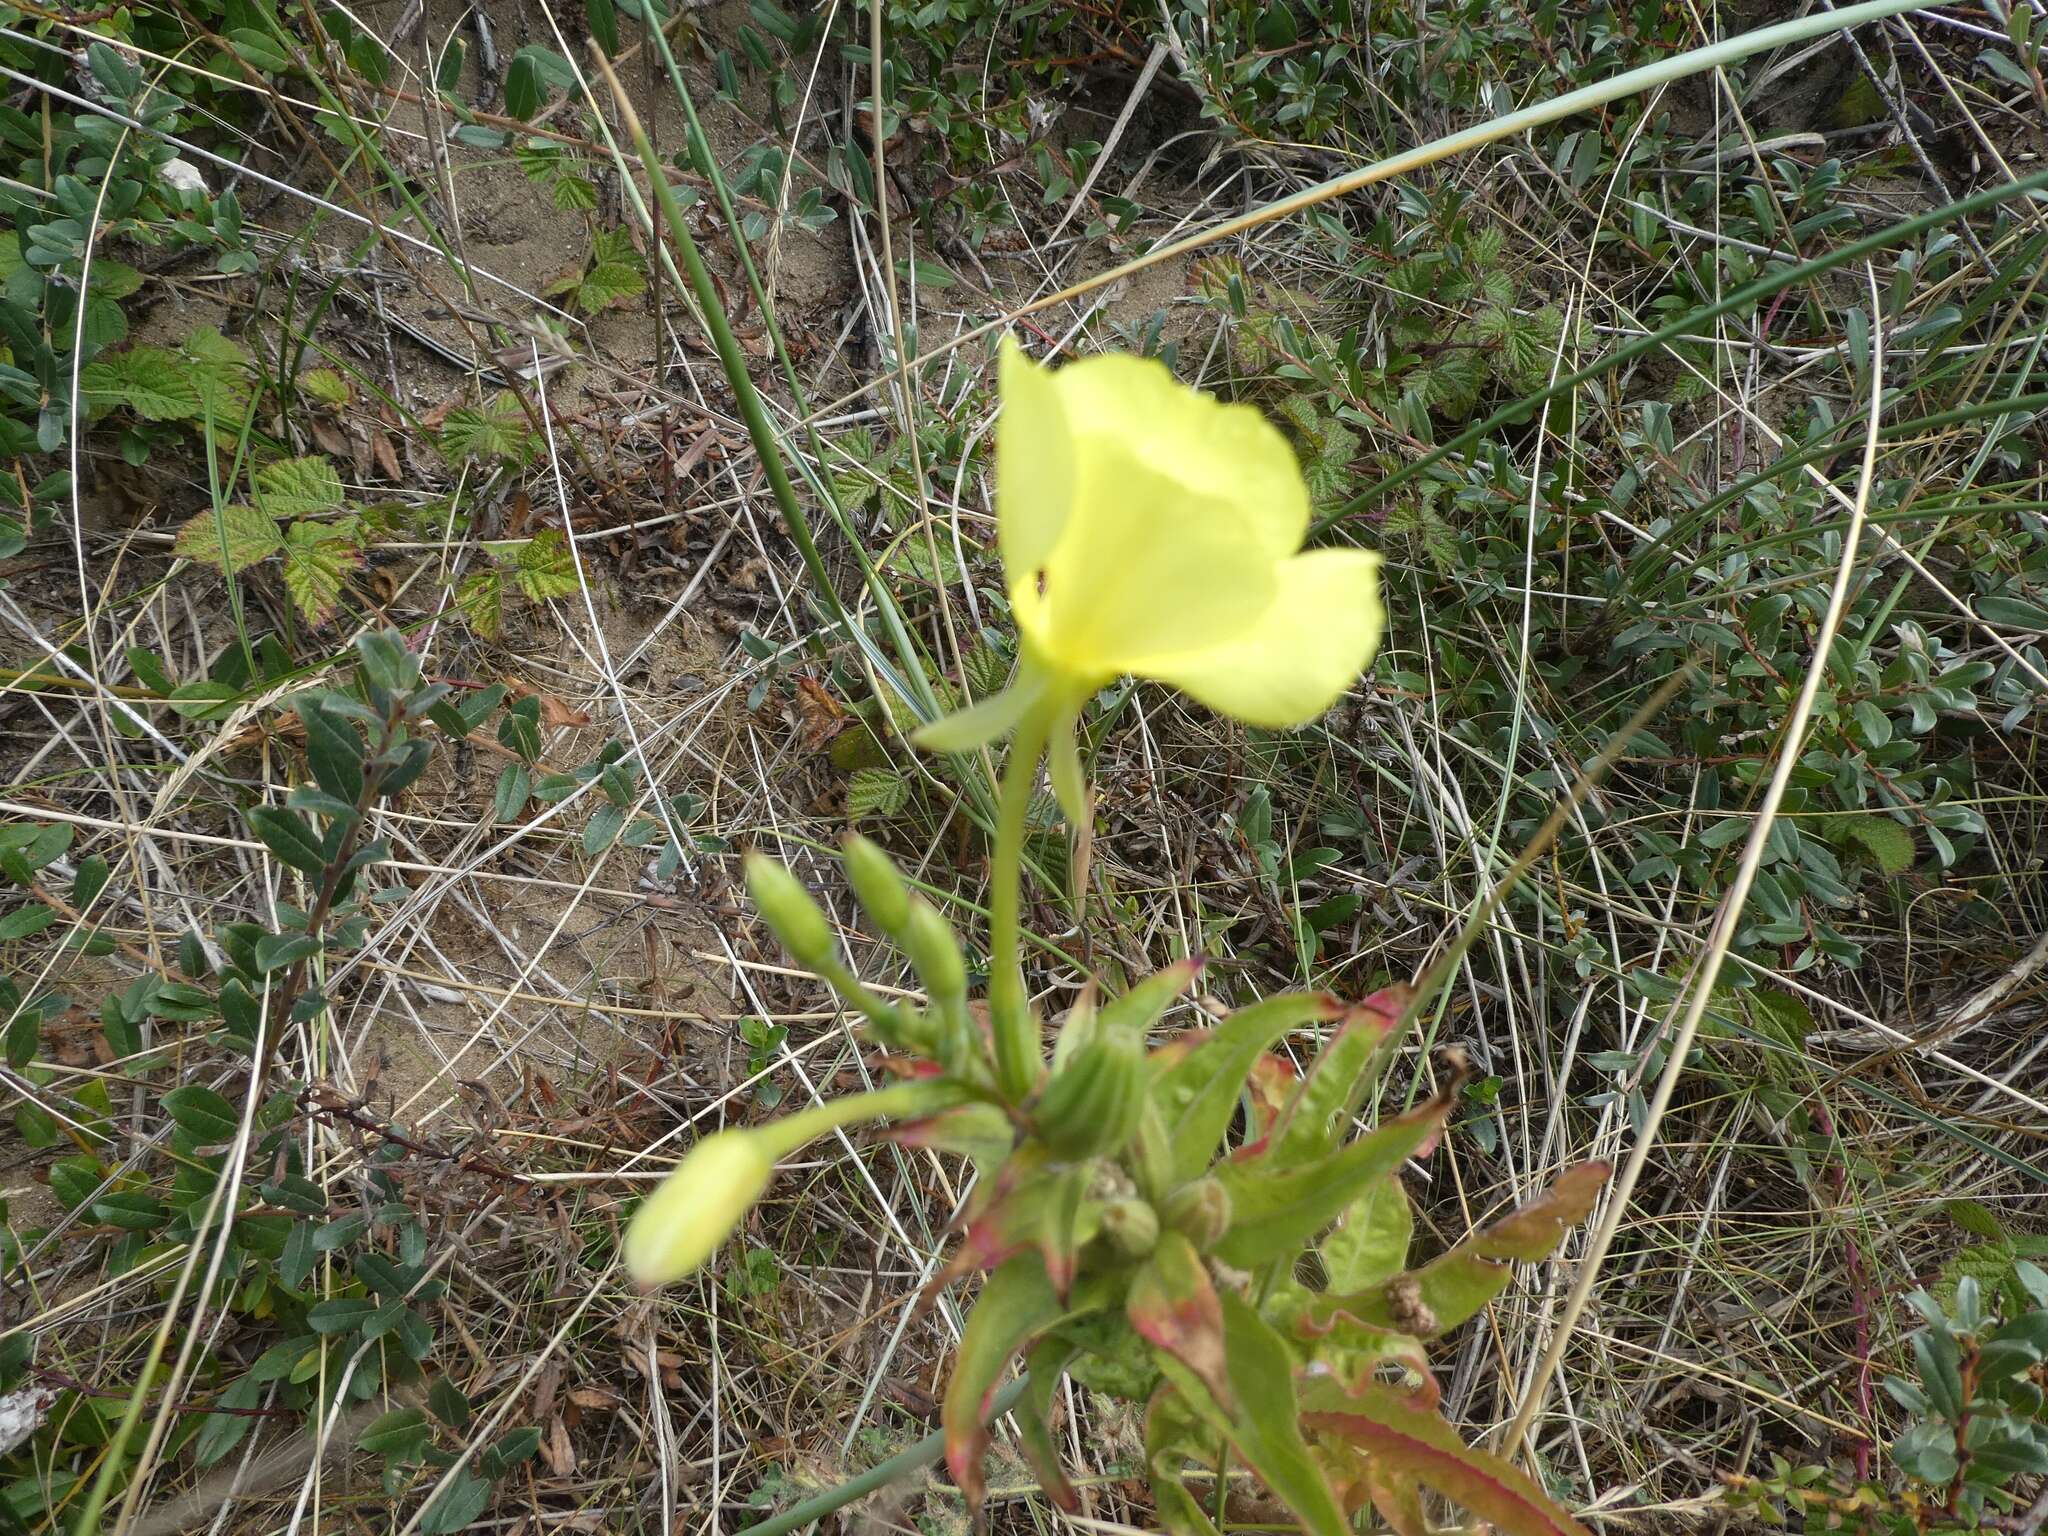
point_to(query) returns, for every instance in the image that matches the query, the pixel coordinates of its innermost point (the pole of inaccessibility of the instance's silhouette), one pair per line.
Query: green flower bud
(1200, 1212)
(934, 949)
(788, 908)
(1132, 1225)
(878, 884)
(697, 1207)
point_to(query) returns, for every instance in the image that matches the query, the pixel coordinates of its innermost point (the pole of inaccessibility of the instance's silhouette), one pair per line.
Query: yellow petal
(1034, 464)
(1302, 653)
(1228, 459)
(697, 1207)
(1147, 566)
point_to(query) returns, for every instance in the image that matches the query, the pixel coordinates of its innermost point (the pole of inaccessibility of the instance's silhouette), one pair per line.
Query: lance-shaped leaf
(1028, 1205)
(1445, 1292)
(1370, 1245)
(1407, 1446)
(1276, 1210)
(1045, 1363)
(1174, 1308)
(1169, 1429)
(1139, 1009)
(1016, 1306)
(1262, 1424)
(1197, 1094)
(1343, 1074)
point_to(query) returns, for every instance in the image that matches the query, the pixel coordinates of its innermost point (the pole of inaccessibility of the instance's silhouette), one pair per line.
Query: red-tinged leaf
(1028, 1205)
(981, 1133)
(1343, 1074)
(1015, 1306)
(1264, 1425)
(1045, 1364)
(1174, 1308)
(1454, 1286)
(1198, 1094)
(1397, 1497)
(1355, 1353)
(1269, 1086)
(1276, 1210)
(1406, 1444)
(1532, 1231)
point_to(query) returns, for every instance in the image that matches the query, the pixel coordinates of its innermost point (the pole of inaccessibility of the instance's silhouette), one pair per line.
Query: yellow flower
(1149, 529)
(697, 1207)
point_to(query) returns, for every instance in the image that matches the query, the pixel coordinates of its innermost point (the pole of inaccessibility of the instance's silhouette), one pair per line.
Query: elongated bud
(697, 1207)
(1200, 1212)
(1132, 1225)
(934, 949)
(878, 884)
(788, 908)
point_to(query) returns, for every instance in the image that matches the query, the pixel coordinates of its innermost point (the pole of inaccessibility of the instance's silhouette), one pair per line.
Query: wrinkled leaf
(1015, 1306)
(1197, 1095)
(1174, 1308)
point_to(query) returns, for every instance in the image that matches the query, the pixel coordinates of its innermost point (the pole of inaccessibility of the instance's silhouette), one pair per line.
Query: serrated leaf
(151, 381)
(1889, 845)
(296, 487)
(325, 385)
(316, 567)
(233, 537)
(543, 567)
(482, 601)
(876, 792)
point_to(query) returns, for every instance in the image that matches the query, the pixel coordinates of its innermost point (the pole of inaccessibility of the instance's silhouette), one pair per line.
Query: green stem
(1017, 1048)
(902, 1101)
(767, 446)
(902, 1464)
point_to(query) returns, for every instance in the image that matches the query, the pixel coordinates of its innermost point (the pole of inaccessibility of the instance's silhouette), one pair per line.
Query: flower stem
(904, 1100)
(1017, 1048)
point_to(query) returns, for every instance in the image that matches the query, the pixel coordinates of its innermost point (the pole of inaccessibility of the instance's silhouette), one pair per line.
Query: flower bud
(696, 1208)
(934, 949)
(788, 908)
(878, 884)
(1132, 1225)
(1200, 1212)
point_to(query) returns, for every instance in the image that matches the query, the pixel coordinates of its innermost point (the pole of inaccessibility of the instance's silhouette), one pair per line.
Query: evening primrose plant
(1192, 1225)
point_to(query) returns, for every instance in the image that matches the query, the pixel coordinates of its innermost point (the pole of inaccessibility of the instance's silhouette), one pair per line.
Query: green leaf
(482, 601)
(515, 787)
(287, 835)
(1409, 1444)
(333, 749)
(1015, 1306)
(1198, 1094)
(130, 1210)
(1319, 1116)
(399, 1436)
(1370, 1245)
(220, 1433)
(24, 922)
(90, 880)
(316, 566)
(325, 386)
(1044, 1364)
(447, 1403)
(1261, 1422)
(1888, 845)
(202, 1114)
(1174, 1308)
(340, 1315)
(876, 792)
(456, 1507)
(295, 487)
(233, 538)
(543, 567)
(1275, 1210)
(153, 382)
